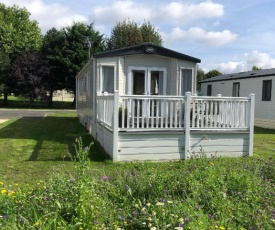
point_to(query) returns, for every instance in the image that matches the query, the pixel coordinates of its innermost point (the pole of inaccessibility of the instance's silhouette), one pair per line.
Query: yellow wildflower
(221, 228)
(11, 193)
(159, 203)
(1, 183)
(3, 191)
(36, 223)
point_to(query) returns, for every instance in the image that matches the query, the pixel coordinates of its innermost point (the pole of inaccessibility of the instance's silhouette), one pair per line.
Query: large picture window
(236, 89)
(266, 91)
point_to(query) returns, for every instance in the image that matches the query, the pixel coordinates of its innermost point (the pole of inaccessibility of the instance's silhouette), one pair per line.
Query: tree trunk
(50, 99)
(73, 103)
(5, 98)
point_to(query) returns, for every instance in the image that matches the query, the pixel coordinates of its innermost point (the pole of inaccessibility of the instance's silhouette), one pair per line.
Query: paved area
(6, 114)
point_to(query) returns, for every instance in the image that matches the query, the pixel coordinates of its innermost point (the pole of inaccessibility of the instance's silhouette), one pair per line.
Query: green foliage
(199, 193)
(129, 33)
(66, 52)
(200, 77)
(17, 34)
(29, 72)
(150, 34)
(254, 68)
(200, 74)
(16, 21)
(212, 73)
(195, 194)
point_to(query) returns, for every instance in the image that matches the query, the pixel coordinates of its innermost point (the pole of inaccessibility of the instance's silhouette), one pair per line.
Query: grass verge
(217, 193)
(17, 103)
(31, 147)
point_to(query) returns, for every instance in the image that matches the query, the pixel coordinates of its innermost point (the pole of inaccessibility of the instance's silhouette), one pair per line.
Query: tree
(4, 70)
(200, 74)
(129, 33)
(254, 68)
(200, 77)
(29, 72)
(212, 73)
(74, 54)
(17, 34)
(150, 34)
(52, 48)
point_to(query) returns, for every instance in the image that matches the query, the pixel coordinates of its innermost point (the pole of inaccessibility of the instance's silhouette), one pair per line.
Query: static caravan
(259, 82)
(139, 103)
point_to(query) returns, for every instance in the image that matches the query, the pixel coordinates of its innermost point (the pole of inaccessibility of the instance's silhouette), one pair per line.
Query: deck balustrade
(153, 113)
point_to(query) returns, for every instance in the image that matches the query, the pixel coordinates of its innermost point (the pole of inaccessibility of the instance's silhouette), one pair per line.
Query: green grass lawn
(31, 148)
(19, 103)
(217, 193)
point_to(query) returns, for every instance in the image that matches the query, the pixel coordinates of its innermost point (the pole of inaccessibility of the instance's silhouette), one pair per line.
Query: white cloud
(121, 10)
(174, 11)
(183, 13)
(48, 15)
(246, 62)
(210, 38)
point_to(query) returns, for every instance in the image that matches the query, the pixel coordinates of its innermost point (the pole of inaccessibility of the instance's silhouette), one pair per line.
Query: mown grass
(31, 147)
(217, 193)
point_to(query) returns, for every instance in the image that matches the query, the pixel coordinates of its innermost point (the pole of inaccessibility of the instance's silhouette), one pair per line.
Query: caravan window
(209, 90)
(186, 77)
(107, 79)
(236, 89)
(266, 92)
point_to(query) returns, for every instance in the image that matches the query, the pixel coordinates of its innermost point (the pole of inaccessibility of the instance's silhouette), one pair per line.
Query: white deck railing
(226, 113)
(105, 110)
(149, 113)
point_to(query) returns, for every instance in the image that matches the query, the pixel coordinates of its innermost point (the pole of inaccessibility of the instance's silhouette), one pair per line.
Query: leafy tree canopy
(254, 68)
(29, 72)
(129, 33)
(17, 31)
(212, 73)
(75, 53)
(66, 52)
(200, 74)
(17, 34)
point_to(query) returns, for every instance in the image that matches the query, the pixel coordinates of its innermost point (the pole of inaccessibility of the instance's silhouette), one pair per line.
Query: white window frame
(180, 80)
(147, 71)
(100, 76)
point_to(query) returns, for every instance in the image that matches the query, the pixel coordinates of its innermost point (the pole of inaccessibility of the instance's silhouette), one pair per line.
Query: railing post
(187, 124)
(115, 126)
(251, 123)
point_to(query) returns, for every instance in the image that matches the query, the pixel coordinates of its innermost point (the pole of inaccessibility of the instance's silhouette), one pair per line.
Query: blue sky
(229, 35)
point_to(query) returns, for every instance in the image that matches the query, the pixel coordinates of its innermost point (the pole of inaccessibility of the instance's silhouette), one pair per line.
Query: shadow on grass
(258, 130)
(53, 136)
(37, 104)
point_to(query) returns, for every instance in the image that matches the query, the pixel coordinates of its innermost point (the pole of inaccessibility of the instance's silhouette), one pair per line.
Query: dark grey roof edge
(149, 49)
(241, 75)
